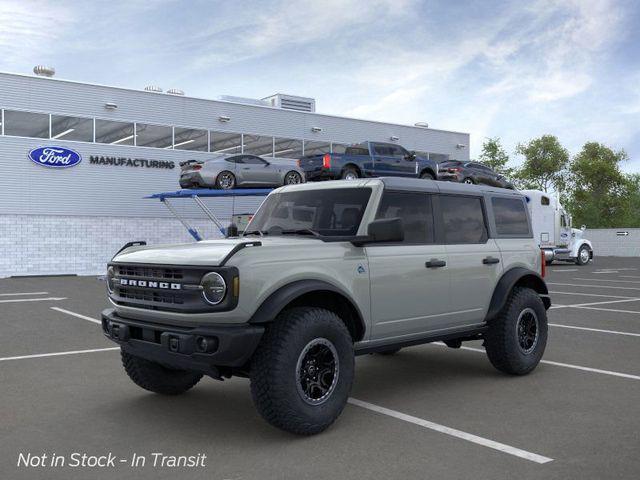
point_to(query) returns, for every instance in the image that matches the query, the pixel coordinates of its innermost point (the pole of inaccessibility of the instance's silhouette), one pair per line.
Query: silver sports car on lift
(240, 170)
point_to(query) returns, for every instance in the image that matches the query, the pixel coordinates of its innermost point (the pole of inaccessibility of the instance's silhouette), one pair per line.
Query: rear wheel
(302, 371)
(517, 337)
(158, 378)
(350, 173)
(292, 178)
(584, 255)
(427, 176)
(225, 180)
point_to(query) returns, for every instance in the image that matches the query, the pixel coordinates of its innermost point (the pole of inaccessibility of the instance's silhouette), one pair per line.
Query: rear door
(474, 259)
(409, 280)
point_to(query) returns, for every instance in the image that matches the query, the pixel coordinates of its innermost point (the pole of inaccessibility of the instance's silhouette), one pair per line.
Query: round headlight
(214, 288)
(111, 273)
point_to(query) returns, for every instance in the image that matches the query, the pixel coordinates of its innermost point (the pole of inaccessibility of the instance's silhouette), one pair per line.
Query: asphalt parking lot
(427, 412)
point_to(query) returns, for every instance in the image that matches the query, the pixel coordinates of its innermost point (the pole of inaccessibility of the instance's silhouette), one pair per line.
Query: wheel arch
(354, 166)
(516, 277)
(312, 293)
(579, 244)
(430, 170)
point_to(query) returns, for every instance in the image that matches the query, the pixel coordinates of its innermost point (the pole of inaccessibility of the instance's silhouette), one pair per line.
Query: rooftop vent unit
(175, 91)
(291, 102)
(244, 100)
(43, 71)
(153, 88)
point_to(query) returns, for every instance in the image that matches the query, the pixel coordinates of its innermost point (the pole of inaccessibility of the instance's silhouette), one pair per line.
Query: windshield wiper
(255, 232)
(301, 231)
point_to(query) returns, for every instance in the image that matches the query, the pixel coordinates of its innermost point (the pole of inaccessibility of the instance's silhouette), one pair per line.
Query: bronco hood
(208, 252)
(202, 253)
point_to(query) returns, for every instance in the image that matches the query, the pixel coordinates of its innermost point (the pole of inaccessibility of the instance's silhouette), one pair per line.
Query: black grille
(157, 273)
(150, 295)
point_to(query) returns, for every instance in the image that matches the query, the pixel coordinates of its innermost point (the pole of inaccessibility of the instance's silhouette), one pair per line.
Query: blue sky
(514, 69)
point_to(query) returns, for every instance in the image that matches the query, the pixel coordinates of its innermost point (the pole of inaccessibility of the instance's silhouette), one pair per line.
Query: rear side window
(357, 151)
(510, 216)
(463, 219)
(414, 209)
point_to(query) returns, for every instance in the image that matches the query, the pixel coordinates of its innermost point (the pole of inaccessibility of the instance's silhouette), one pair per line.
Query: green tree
(545, 164)
(494, 156)
(600, 194)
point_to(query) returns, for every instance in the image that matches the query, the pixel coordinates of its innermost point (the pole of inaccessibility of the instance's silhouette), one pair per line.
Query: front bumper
(200, 349)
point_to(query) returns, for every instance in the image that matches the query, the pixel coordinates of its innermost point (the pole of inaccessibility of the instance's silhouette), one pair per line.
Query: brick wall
(52, 245)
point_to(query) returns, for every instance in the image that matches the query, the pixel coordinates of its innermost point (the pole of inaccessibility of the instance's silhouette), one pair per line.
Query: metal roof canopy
(196, 195)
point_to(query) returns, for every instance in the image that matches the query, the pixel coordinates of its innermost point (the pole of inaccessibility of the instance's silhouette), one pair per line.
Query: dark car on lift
(368, 159)
(473, 173)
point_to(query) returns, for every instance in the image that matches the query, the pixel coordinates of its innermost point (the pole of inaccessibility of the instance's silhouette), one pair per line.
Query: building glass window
(71, 128)
(438, 157)
(115, 133)
(316, 148)
(157, 136)
(287, 148)
(225, 143)
(190, 139)
(339, 148)
(258, 145)
(26, 124)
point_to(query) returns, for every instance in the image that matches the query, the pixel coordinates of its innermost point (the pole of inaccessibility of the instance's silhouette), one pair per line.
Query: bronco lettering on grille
(147, 284)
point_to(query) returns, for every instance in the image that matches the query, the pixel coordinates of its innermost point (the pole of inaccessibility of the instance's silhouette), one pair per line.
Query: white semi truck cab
(553, 231)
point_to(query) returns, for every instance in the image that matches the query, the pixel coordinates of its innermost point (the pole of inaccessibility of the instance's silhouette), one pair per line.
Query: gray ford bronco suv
(325, 272)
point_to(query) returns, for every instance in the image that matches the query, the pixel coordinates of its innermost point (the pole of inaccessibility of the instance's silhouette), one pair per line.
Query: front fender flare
(511, 278)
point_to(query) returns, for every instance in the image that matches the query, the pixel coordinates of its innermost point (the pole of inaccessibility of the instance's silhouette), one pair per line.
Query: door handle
(490, 260)
(435, 263)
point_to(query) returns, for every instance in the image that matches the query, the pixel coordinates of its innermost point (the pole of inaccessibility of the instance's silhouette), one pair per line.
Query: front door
(409, 280)
(474, 259)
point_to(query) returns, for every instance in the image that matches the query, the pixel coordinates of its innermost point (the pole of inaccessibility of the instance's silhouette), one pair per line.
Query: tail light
(453, 170)
(326, 161)
(298, 162)
(543, 264)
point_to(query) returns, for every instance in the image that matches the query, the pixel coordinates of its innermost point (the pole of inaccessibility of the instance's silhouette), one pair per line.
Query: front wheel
(158, 378)
(225, 180)
(302, 371)
(517, 337)
(584, 255)
(427, 176)
(292, 178)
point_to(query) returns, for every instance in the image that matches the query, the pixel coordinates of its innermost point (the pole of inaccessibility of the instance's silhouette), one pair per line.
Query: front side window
(253, 160)
(414, 209)
(334, 212)
(463, 219)
(26, 124)
(545, 201)
(511, 216)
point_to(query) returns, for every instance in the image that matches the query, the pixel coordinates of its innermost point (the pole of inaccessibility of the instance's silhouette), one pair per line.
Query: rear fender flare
(517, 276)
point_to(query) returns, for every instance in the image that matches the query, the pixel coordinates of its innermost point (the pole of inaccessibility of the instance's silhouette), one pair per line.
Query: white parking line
(566, 365)
(629, 276)
(588, 294)
(50, 299)
(594, 286)
(27, 293)
(579, 305)
(611, 310)
(485, 442)
(57, 354)
(607, 280)
(598, 330)
(605, 272)
(567, 270)
(74, 314)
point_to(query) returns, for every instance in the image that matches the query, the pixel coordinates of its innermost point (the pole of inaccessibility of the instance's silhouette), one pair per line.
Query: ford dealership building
(118, 145)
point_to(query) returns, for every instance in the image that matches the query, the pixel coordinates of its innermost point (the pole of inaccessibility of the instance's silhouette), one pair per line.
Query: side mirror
(232, 231)
(411, 156)
(385, 230)
(583, 228)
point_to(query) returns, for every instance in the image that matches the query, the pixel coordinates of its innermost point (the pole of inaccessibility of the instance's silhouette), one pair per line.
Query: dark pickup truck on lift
(368, 159)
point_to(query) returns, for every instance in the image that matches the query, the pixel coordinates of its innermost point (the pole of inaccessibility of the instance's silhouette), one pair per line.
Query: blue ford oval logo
(55, 157)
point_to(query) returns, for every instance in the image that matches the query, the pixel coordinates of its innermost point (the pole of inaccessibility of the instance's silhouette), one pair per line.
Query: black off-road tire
(391, 351)
(427, 176)
(275, 374)
(501, 340)
(157, 378)
(349, 173)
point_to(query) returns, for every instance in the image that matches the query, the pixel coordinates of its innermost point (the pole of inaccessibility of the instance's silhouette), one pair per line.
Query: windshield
(324, 212)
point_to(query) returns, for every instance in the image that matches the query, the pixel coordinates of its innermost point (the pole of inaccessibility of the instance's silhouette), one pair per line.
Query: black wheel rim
(317, 371)
(527, 330)
(292, 178)
(226, 181)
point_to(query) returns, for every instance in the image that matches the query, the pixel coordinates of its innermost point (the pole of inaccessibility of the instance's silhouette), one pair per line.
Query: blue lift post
(197, 195)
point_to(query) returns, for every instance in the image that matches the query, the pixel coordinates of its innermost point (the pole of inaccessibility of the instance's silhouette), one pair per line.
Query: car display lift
(197, 195)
